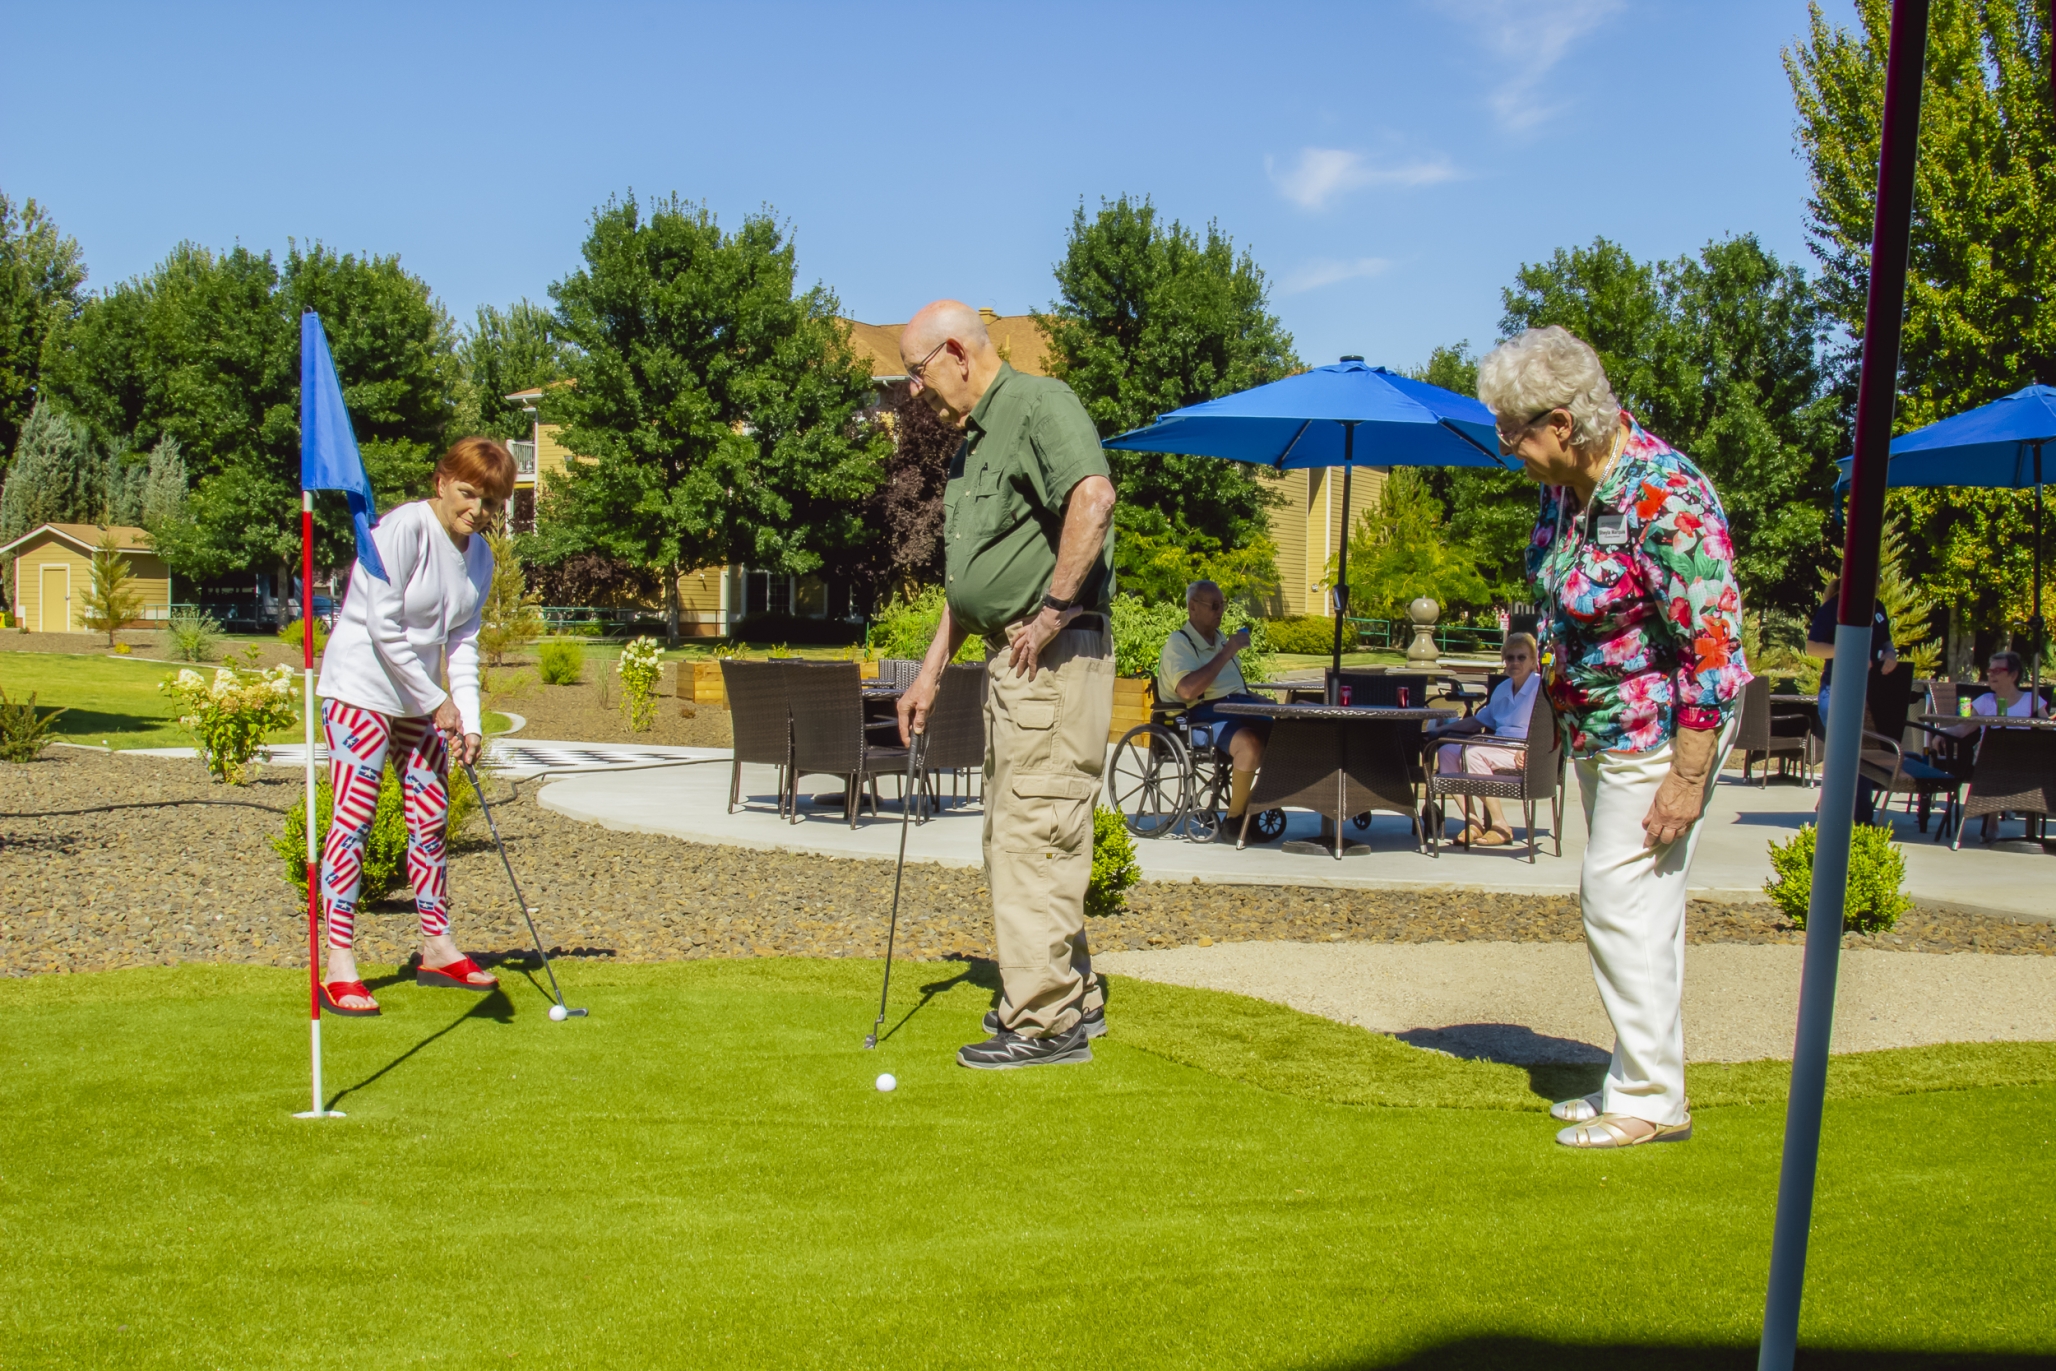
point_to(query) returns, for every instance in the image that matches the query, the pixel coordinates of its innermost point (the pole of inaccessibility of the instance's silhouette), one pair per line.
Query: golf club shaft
(916, 753)
(519, 899)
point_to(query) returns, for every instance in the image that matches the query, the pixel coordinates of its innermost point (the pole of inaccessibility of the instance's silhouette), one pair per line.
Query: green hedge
(1303, 634)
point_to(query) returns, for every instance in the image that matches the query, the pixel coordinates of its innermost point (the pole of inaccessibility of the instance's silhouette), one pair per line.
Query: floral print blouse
(1644, 613)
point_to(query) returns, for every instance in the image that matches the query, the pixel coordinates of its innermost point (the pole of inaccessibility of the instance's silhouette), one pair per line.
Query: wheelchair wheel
(1269, 825)
(1146, 784)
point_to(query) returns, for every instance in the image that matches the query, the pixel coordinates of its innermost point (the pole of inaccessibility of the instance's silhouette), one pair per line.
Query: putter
(479, 791)
(917, 753)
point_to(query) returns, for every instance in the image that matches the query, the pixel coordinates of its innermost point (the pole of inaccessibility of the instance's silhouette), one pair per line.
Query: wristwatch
(1050, 601)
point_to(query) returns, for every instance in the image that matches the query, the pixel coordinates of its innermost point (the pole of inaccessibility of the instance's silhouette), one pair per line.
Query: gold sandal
(1584, 1109)
(1605, 1132)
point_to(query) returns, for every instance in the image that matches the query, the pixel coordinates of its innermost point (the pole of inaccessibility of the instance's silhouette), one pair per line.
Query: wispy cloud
(1320, 174)
(1532, 37)
(1328, 271)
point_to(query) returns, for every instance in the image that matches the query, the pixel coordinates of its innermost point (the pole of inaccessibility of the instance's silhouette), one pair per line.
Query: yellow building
(1307, 528)
(53, 570)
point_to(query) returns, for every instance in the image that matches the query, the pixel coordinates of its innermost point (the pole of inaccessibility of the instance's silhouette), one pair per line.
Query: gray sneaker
(1004, 1051)
(1094, 1021)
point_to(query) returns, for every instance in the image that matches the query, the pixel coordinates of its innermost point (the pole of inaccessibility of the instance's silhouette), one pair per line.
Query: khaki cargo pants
(1045, 755)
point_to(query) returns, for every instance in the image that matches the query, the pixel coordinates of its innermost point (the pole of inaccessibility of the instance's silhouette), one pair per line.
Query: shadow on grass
(95, 724)
(1558, 1068)
(982, 972)
(495, 1006)
(1529, 1354)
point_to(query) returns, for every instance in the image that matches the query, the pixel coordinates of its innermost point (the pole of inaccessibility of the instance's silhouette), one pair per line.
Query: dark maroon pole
(1875, 391)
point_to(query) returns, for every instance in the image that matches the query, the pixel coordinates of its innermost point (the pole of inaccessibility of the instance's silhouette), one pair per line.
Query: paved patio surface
(690, 802)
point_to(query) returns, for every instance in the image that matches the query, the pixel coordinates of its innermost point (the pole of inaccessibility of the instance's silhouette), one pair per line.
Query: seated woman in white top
(2006, 674)
(381, 699)
(1505, 715)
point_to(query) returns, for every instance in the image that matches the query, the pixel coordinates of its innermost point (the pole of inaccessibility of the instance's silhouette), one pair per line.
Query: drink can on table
(1405, 693)
(1343, 697)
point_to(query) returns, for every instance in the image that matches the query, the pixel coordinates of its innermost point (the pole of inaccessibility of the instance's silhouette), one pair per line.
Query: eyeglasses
(917, 373)
(1996, 670)
(1509, 444)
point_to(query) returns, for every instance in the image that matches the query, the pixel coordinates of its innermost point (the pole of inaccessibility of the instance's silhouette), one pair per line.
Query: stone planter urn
(1422, 650)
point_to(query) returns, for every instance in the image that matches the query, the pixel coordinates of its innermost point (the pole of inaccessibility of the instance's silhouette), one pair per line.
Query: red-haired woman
(381, 700)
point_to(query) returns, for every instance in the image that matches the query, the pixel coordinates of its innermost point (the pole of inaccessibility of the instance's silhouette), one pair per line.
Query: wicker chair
(898, 672)
(2015, 770)
(1540, 778)
(829, 734)
(1764, 734)
(762, 723)
(956, 725)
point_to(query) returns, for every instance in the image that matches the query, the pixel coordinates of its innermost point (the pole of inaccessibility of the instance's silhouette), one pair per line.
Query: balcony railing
(524, 460)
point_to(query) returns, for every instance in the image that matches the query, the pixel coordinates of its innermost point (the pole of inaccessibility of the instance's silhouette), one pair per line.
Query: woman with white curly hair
(1645, 620)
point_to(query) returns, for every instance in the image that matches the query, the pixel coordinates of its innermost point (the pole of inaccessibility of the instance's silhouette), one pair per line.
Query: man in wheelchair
(1198, 671)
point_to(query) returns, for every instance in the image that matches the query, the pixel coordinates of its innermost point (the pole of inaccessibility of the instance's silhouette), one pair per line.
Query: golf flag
(328, 448)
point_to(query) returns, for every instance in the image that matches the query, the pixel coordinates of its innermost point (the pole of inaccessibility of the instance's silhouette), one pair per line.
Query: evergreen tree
(1150, 317)
(40, 280)
(164, 486)
(56, 477)
(718, 404)
(1402, 550)
(112, 600)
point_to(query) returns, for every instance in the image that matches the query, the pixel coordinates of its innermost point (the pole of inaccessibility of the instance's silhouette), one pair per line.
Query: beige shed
(53, 570)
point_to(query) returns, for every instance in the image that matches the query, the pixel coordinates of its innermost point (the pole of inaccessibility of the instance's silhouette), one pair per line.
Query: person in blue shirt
(1505, 715)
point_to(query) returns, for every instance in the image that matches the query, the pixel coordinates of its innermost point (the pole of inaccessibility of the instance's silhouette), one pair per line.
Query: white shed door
(56, 605)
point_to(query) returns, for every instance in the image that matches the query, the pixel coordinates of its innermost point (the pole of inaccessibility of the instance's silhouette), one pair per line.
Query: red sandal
(456, 975)
(332, 993)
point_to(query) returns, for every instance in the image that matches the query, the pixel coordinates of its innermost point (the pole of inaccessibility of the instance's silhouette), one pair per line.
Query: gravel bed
(151, 886)
(574, 713)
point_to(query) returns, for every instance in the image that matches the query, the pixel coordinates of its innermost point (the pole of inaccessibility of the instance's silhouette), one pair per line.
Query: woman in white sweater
(393, 642)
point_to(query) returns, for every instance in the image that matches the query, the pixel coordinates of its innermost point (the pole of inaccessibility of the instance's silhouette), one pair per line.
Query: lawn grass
(701, 1174)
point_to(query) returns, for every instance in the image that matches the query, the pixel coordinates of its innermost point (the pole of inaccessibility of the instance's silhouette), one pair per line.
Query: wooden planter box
(1131, 705)
(702, 682)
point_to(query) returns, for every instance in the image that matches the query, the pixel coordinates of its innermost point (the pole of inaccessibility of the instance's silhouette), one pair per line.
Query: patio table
(1339, 761)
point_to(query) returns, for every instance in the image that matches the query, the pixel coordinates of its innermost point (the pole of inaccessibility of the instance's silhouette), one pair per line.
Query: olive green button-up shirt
(1027, 443)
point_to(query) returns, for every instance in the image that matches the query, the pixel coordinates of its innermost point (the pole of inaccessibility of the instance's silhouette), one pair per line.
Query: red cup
(1403, 693)
(1344, 696)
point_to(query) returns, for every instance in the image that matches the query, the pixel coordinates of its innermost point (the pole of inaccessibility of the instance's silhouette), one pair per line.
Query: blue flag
(328, 448)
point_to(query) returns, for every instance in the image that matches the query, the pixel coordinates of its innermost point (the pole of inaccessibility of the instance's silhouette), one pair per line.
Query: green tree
(56, 477)
(1979, 320)
(505, 351)
(508, 619)
(164, 486)
(1491, 511)
(40, 279)
(718, 404)
(205, 350)
(1402, 549)
(1150, 317)
(1155, 560)
(1720, 355)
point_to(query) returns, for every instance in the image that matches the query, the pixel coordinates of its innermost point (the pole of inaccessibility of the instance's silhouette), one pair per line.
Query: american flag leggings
(359, 742)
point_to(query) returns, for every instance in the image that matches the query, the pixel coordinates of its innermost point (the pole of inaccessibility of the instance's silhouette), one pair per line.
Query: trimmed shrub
(1307, 635)
(193, 636)
(290, 634)
(385, 849)
(904, 629)
(561, 663)
(1877, 871)
(1114, 868)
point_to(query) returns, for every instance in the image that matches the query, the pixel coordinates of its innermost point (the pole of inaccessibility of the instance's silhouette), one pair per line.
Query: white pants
(1633, 898)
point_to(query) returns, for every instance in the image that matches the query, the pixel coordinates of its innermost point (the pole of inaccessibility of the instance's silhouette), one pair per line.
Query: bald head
(949, 357)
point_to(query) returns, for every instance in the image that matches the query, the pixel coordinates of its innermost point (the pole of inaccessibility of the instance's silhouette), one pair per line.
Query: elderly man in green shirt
(1028, 568)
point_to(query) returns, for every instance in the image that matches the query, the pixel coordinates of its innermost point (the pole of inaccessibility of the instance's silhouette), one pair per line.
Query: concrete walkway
(1534, 1003)
(691, 802)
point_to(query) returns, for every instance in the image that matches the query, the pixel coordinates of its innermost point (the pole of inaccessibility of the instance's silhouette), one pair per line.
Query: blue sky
(1390, 164)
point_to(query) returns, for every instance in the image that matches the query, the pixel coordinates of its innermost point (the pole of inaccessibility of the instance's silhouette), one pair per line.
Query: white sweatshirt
(387, 651)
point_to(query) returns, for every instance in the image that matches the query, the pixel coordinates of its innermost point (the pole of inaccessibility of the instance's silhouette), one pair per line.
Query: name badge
(1612, 530)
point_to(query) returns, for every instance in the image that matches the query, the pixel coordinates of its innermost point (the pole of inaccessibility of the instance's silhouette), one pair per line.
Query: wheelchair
(1169, 777)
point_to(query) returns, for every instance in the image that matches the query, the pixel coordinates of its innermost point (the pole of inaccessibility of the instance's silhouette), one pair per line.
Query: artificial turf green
(701, 1174)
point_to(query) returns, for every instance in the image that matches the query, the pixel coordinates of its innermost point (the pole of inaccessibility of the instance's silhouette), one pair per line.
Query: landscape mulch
(160, 883)
(579, 713)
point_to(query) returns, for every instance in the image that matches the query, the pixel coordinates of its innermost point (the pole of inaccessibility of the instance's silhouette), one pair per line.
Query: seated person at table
(2005, 674)
(1505, 715)
(1820, 642)
(1198, 668)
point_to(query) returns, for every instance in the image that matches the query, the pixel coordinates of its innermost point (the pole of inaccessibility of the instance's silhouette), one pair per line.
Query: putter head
(870, 1040)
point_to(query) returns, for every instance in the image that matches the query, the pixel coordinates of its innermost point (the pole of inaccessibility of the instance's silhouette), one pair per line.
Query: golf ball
(557, 1013)
(888, 1082)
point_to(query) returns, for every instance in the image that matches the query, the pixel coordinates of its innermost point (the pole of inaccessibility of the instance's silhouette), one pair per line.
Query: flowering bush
(642, 662)
(231, 714)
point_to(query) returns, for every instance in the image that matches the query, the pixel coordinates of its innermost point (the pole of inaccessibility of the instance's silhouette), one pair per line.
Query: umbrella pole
(2035, 621)
(1342, 573)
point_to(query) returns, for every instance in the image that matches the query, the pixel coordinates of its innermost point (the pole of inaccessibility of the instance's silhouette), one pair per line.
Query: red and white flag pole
(313, 834)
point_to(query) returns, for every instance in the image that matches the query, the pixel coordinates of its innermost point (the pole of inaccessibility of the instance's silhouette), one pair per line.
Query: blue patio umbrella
(1346, 415)
(1997, 446)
